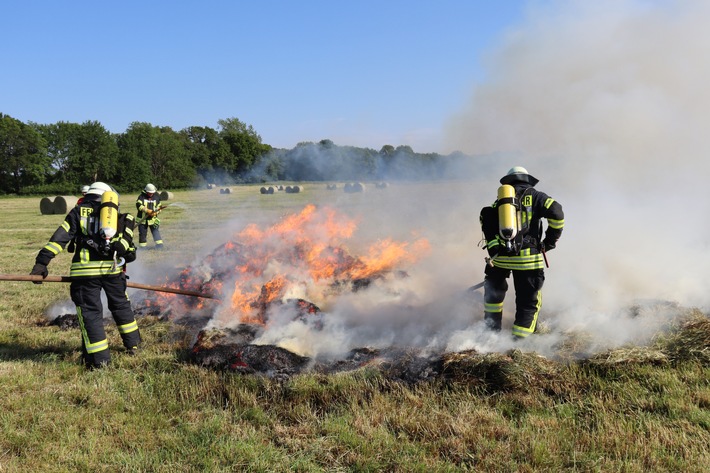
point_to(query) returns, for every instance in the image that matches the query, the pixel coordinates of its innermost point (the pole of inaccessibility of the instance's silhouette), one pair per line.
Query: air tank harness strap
(109, 204)
(509, 200)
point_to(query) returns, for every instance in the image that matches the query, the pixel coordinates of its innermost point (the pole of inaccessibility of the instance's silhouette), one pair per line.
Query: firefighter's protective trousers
(86, 294)
(143, 234)
(528, 298)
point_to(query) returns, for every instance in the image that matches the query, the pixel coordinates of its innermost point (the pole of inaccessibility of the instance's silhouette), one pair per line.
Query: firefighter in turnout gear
(513, 234)
(148, 205)
(84, 190)
(104, 244)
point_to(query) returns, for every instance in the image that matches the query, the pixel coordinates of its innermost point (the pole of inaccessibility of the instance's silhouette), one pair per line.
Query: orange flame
(306, 249)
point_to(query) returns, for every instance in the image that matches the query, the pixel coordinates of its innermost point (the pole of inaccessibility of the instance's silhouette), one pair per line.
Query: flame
(303, 250)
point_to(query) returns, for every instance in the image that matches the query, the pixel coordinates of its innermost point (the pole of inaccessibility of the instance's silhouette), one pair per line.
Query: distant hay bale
(226, 190)
(268, 190)
(46, 206)
(352, 187)
(64, 203)
(294, 189)
(166, 195)
(280, 188)
(331, 187)
(211, 186)
(382, 185)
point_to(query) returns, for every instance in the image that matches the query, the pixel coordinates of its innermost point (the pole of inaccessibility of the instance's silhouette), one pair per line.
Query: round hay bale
(352, 187)
(331, 187)
(294, 189)
(64, 203)
(382, 185)
(211, 186)
(166, 195)
(226, 190)
(263, 190)
(280, 188)
(46, 206)
(271, 190)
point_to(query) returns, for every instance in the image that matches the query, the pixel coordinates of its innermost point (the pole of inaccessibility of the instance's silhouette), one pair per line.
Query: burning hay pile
(270, 276)
(280, 286)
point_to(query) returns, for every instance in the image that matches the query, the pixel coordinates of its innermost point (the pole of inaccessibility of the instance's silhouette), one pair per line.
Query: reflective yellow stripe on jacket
(94, 268)
(521, 262)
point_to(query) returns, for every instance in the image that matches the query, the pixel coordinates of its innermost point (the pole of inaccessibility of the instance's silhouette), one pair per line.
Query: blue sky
(361, 73)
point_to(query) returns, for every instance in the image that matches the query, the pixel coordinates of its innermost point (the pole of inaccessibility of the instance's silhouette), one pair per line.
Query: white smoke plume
(605, 102)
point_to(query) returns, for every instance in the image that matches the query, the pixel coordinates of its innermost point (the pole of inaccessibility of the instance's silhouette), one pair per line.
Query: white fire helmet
(518, 174)
(99, 188)
(517, 170)
(150, 189)
(84, 189)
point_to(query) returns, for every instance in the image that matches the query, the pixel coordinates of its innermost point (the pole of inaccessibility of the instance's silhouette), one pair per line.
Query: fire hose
(38, 278)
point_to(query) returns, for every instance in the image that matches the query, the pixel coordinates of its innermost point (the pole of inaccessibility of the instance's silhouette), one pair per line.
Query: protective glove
(130, 255)
(39, 270)
(118, 248)
(548, 245)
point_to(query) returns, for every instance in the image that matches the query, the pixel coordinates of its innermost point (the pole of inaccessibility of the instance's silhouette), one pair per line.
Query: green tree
(154, 154)
(60, 139)
(208, 152)
(244, 144)
(170, 160)
(135, 146)
(93, 154)
(80, 153)
(23, 156)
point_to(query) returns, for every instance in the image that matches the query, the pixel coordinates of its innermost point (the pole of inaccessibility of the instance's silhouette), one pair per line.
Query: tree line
(58, 158)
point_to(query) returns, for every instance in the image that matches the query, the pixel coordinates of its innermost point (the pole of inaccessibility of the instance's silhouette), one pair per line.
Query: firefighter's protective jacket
(91, 258)
(143, 203)
(534, 206)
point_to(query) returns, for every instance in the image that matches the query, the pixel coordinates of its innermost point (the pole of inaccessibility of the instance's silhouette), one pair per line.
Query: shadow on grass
(51, 353)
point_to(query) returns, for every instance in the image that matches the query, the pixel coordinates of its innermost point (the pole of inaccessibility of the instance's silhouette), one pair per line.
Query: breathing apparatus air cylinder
(108, 215)
(508, 215)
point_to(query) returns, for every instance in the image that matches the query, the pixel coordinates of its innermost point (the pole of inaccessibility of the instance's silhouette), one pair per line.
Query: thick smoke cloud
(605, 102)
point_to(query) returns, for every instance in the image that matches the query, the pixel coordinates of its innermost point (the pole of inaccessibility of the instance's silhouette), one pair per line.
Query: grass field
(157, 413)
